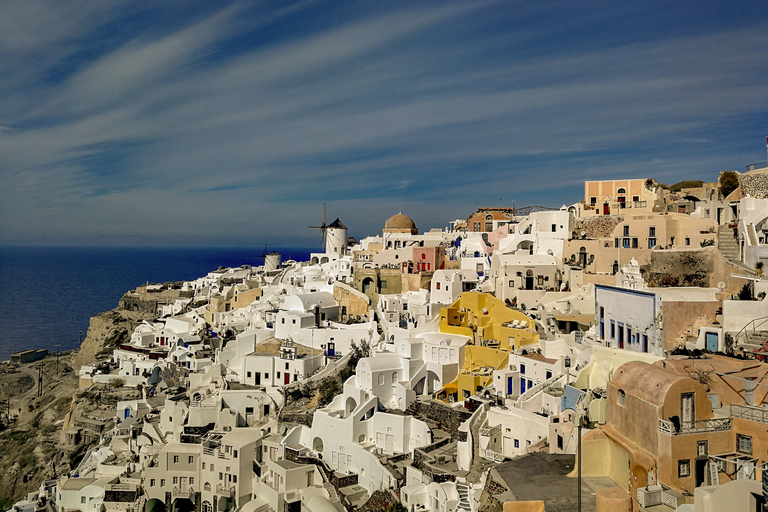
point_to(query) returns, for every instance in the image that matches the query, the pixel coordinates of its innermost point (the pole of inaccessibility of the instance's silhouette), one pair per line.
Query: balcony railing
(490, 432)
(225, 490)
(692, 427)
(179, 492)
(639, 204)
(493, 456)
(749, 412)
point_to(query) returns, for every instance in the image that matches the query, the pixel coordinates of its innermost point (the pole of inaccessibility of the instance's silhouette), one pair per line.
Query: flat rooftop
(544, 476)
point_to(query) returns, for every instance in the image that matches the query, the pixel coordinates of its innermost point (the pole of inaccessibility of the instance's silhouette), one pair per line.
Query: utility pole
(579, 463)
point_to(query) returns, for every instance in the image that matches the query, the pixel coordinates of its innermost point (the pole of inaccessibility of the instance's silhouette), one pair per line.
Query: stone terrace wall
(449, 418)
(754, 184)
(596, 227)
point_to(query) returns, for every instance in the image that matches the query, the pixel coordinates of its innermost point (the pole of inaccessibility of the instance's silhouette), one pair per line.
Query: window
(549, 374)
(511, 283)
(684, 468)
(651, 243)
(266, 375)
(82, 499)
(634, 243)
(283, 320)
(175, 480)
(383, 284)
(162, 482)
(592, 201)
(437, 286)
(622, 191)
(687, 241)
(626, 230)
(248, 374)
(212, 468)
(522, 369)
(554, 227)
(175, 459)
(635, 198)
(517, 443)
(234, 479)
(203, 465)
(622, 397)
(744, 444)
(560, 442)
(286, 366)
(152, 482)
(613, 330)
(702, 449)
(476, 226)
(221, 476)
(191, 459)
(278, 375)
(191, 480)
(652, 231)
(381, 379)
(625, 243)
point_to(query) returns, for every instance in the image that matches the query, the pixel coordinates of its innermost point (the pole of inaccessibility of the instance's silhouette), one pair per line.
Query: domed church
(400, 224)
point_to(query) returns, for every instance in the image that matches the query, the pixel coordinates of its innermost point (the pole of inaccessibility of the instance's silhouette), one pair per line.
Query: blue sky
(230, 123)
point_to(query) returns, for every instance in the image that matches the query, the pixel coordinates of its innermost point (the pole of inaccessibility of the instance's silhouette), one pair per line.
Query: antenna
(323, 227)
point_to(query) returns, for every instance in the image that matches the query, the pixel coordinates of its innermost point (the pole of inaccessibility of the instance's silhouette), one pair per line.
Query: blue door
(712, 341)
(509, 386)
(127, 413)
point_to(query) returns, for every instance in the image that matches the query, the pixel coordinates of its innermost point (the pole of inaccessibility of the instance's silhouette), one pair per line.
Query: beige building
(613, 197)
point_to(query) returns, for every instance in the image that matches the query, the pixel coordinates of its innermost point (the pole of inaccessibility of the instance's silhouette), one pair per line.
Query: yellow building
(495, 329)
(488, 321)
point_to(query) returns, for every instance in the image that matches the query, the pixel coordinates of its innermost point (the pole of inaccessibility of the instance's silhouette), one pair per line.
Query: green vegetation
(117, 383)
(677, 187)
(329, 388)
(729, 181)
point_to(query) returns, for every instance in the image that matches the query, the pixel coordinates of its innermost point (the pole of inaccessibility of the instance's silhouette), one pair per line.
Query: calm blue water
(50, 293)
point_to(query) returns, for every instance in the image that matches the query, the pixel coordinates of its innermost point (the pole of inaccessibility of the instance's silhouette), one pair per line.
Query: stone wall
(681, 268)
(449, 418)
(380, 500)
(596, 227)
(754, 184)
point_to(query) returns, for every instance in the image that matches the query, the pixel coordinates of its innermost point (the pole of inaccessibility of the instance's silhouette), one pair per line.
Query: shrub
(329, 388)
(117, 383)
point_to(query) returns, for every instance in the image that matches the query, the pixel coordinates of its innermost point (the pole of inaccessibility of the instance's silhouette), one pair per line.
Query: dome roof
(400, 221)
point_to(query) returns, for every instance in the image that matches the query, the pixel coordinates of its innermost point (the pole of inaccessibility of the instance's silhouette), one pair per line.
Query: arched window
(423, 256)
(489, 217)
(394, 377)
(622, 191)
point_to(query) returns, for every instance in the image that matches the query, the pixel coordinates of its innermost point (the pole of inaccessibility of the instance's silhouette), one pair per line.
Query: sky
(198, 123)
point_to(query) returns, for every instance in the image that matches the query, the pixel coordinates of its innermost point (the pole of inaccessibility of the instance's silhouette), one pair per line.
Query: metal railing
(225, 490)
(639, 204)
(749, 412)
(493, 456)
(692, 427)
(751, 324)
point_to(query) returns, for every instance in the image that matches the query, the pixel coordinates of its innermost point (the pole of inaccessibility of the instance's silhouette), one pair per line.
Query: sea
(49, 294)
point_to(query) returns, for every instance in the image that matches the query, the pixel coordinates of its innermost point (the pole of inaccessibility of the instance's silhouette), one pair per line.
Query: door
(621, 336)
(287, 378)
(343, 462)
(687, 412)
(258, 378)
(510, 386)
(390, 446)
(711, 343)
(380, 440)
(606, 209)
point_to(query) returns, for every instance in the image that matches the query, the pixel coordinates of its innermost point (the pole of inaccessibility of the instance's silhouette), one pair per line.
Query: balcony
(490, 432)
(178, 492)
(639, 204)
(749, 412)
(225, 490)
(694, 427)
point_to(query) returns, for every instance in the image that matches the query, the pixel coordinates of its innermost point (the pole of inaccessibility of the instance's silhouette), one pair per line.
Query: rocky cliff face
(108, 330)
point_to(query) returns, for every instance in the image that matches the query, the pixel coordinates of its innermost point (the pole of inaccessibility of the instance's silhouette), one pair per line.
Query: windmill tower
(333, 236)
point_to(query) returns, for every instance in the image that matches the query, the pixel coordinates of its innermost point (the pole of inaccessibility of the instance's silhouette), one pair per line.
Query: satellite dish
(721, 285)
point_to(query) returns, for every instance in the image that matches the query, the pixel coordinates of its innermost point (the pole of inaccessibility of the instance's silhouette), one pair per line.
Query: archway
(154, 505)
(367, 284)
(583, 257)
(350, 406)
(317, 445)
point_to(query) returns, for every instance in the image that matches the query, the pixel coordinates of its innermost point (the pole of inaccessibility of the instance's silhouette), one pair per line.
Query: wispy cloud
(214, 122)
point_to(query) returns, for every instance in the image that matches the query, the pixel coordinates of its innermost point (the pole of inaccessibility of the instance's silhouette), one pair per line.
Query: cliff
(109, 329)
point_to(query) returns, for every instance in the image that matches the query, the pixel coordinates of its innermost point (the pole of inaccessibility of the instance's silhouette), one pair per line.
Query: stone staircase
(463, 505)
(728, 246)
(753, 340)
(157, 429)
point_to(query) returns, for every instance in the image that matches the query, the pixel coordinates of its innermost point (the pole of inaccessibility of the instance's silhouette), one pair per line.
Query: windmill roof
(337, 224)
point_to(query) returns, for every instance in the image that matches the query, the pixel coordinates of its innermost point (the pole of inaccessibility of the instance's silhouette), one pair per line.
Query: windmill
(263, 255)
(323, 227)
